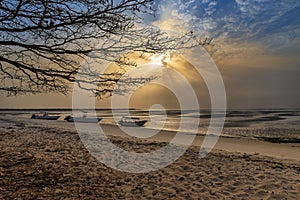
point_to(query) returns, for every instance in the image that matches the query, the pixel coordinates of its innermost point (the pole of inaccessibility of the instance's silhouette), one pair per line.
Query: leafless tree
(44, 42)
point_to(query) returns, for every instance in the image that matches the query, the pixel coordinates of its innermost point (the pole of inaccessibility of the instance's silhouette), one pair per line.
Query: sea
(275, 125)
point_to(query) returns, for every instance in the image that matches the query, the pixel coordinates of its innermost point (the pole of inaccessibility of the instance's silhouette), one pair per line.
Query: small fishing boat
(132, 121)
(45, 116)
(83, 119)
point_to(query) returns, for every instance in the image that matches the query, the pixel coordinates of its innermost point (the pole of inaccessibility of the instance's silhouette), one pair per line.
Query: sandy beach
(50, 162)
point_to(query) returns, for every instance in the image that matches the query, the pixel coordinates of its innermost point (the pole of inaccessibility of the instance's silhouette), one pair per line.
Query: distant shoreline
(202, 109)
(262, 145)
(60, 109)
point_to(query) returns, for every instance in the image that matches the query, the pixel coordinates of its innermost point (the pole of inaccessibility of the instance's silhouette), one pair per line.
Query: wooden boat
(45, 116)
(132, 121)
(83, 119)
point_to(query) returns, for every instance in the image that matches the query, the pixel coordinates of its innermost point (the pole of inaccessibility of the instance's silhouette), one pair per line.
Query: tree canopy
(44, 42)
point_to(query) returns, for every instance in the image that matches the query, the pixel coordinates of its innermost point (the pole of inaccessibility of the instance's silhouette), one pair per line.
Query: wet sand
(50, 162)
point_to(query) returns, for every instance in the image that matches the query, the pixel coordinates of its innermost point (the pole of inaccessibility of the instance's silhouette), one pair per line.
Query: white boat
(132, 121)
(83, 119)
(45, 116)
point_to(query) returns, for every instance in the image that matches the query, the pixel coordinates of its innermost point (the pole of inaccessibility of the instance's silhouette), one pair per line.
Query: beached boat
(45, 116)
(83, 119)
(132, 121)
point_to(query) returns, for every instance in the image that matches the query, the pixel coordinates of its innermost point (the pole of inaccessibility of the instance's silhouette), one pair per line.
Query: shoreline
(228, 143)
(290, 151)
(49, 161)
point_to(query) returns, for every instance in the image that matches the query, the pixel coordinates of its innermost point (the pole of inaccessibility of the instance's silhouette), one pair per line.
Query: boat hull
(133, 124)
(83, 119)
(45, 117)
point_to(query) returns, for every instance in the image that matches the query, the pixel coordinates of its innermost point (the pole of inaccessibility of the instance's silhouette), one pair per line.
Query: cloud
(273, 23)
(211, 8)
(268, 80)
(174, 20)
(256, 46)
(185, 5)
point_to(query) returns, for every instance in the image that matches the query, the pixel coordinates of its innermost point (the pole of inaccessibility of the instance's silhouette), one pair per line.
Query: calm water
(247, 123)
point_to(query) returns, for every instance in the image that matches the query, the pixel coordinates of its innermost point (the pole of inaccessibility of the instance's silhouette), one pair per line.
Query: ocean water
(277, 123)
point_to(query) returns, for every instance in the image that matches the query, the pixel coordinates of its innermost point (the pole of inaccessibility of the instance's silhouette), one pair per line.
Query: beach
(150, 99)
(41, 161)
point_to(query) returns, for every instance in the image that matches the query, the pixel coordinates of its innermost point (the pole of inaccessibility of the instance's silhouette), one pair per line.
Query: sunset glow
(255, 46)
(143, 99)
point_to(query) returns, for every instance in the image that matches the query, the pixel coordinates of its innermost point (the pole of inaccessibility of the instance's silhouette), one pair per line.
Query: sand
(50, 162)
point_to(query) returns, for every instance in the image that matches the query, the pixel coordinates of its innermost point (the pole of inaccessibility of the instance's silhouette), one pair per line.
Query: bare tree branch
(43, 43)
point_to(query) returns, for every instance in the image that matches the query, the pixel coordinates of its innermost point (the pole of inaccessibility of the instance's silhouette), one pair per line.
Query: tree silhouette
(44, 42)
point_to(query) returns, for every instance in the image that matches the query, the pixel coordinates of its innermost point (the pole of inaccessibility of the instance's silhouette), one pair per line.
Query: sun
(162, 58)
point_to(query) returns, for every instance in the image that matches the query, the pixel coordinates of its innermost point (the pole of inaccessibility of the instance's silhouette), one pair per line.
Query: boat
(83, 119)
(132, 121)
(45, 116)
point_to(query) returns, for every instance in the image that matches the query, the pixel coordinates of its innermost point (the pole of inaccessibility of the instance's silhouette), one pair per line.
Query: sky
(256, 47)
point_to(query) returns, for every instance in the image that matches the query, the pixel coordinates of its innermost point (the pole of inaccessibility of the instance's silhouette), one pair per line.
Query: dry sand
(52, 163)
